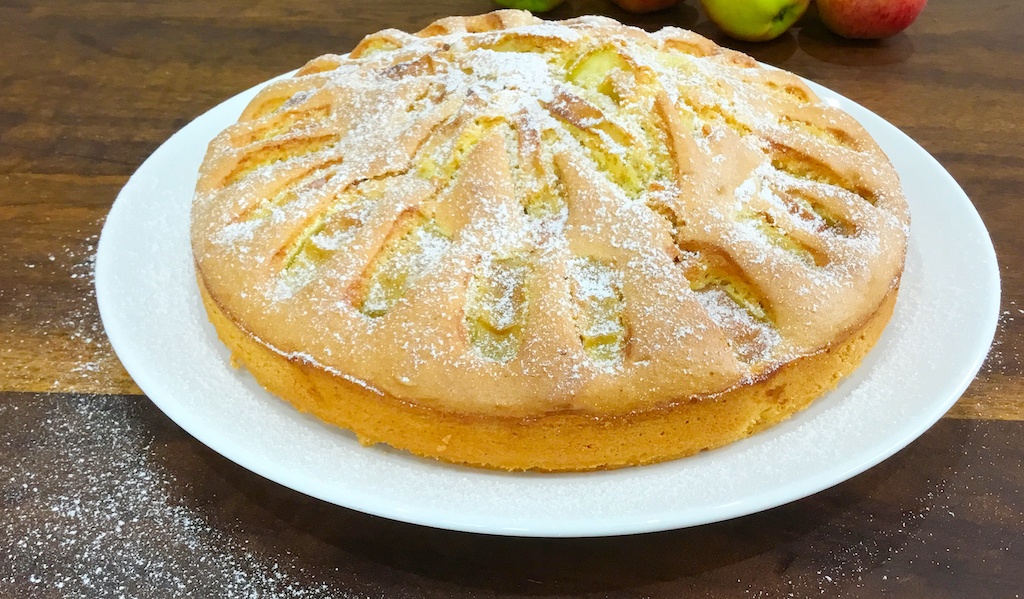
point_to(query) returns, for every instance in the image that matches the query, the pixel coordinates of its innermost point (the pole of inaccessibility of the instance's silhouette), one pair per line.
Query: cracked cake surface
(501, 222)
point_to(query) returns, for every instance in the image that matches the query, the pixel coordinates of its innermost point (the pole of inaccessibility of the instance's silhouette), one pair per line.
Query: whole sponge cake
(567, 245)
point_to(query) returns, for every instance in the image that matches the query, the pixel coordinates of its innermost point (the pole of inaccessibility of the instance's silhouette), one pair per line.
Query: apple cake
(555, 246)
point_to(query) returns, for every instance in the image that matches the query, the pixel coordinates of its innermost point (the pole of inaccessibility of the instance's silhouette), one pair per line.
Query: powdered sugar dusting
(116, 522)
(70, 339)
(677, 151)
(755, 340)
(1007, 352)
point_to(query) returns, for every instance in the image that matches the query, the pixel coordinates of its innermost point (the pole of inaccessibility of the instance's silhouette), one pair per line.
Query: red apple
(642, 6)
(869, 19)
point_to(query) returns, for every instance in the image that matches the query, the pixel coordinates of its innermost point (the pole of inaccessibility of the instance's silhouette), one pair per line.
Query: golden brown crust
(501, 220)
(558, 441)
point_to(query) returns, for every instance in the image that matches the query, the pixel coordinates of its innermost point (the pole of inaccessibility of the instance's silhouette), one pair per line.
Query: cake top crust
(507, 216)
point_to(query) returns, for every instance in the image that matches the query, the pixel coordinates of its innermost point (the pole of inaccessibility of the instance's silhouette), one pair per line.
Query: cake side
(558, 441)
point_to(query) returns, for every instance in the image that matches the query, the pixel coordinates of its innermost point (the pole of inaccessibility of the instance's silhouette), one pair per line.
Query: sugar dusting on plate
(184, 367)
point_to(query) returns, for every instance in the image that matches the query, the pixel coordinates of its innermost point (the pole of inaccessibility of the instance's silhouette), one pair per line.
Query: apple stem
(782, 14)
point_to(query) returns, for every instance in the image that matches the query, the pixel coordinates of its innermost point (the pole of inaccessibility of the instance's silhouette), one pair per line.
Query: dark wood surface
(102, 496)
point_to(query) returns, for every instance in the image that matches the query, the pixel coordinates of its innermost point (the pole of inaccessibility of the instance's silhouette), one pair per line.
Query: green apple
(645, 6)
(530, 5)
(755, 20)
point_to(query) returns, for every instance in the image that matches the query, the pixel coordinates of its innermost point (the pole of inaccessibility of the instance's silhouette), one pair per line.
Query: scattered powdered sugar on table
(68, 338)
(82, 320)
(1007, 348)
(113, 524)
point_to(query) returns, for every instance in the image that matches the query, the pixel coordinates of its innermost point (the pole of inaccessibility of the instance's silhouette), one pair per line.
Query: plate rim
(807, 485)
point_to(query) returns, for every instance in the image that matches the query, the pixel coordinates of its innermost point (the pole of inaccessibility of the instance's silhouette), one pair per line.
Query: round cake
(553, 246)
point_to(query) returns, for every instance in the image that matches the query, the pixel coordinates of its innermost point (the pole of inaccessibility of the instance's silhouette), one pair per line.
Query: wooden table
(103, 496)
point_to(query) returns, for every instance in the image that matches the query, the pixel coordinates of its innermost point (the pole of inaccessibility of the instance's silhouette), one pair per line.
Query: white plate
(944, 322)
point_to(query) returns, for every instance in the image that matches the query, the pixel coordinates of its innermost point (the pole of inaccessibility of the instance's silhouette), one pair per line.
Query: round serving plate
(152, 313)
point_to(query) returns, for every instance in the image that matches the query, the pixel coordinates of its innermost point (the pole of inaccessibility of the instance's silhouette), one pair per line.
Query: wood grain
(102, 496)
(97, 86)
(941, 520)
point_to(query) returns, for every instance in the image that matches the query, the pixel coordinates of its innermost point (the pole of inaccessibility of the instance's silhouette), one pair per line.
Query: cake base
(558, 441)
